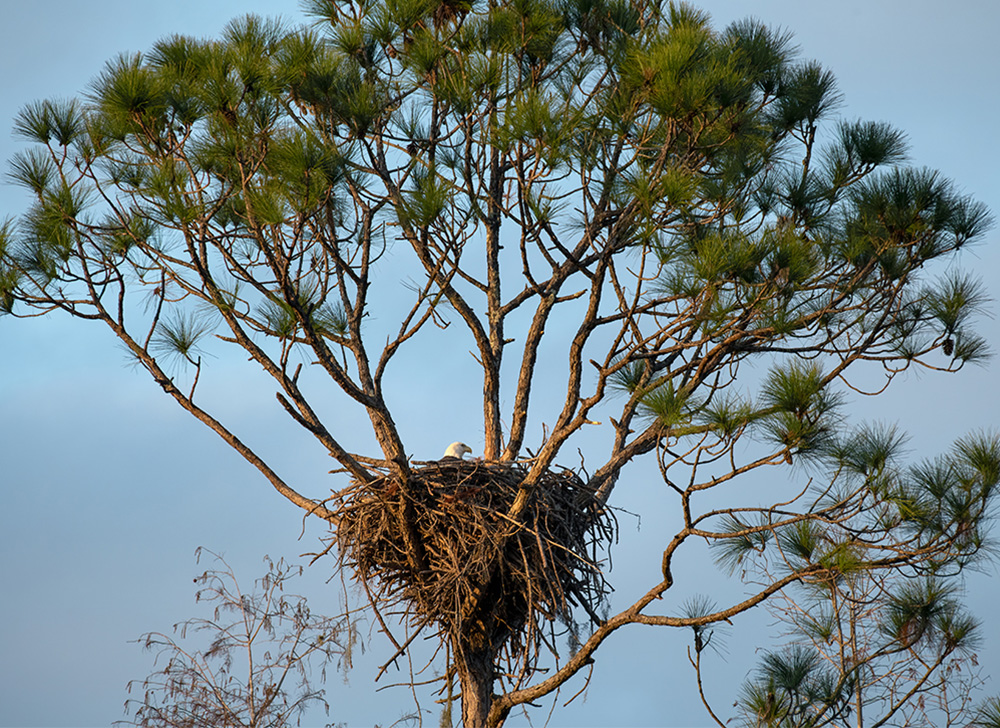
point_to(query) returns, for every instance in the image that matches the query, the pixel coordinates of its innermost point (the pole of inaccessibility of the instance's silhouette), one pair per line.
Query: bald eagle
(456, 450)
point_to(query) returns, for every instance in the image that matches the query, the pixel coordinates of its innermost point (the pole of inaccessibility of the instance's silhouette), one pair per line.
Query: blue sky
(107, 488)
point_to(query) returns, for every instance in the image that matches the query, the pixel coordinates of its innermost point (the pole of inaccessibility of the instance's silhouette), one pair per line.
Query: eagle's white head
(457, 450)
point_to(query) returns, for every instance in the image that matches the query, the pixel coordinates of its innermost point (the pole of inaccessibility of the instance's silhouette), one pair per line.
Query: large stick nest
(443, 549)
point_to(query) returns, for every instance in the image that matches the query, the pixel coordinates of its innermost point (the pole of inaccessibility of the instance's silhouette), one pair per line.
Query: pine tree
(669, 219)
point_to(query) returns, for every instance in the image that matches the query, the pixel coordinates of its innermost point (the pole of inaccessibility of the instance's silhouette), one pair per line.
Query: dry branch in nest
(443, 549)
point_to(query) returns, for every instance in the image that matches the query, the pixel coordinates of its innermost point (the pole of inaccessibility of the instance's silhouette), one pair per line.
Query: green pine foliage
(795, 688)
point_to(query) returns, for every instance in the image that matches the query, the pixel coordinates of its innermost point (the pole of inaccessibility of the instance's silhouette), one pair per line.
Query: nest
(444, 548)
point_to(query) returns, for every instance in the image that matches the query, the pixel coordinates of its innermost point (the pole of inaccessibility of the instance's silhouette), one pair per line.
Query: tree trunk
(476, 675)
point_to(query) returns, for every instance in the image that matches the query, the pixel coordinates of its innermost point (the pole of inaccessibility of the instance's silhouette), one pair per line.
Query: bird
(456, 451)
